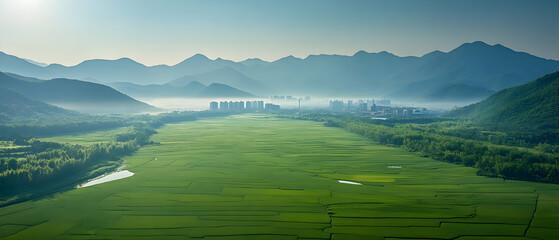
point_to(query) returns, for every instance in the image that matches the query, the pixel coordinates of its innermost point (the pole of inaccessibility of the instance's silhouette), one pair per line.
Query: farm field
(88, 138)
(259, 177)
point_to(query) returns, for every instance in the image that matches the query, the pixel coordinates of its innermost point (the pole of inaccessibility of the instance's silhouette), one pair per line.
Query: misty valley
(390, 121)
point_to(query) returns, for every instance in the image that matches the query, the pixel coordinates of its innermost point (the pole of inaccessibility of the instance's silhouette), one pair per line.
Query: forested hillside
(533, 106)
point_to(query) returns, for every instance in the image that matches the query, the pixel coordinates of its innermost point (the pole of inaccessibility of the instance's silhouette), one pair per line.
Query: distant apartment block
(223, 106)
(214, 106)
(363, 107)
(337, 105)
(240, 106)
(272, 107)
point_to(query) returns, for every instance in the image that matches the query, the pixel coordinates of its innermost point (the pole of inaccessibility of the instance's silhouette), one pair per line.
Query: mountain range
(474, 67)
(72, 94)
(182, 87)
(17, 107)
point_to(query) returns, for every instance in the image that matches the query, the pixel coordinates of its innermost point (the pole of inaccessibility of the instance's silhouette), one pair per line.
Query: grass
(89, 138)
(259, 177)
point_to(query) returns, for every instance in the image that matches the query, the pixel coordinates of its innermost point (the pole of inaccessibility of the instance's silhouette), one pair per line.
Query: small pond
(107, 178)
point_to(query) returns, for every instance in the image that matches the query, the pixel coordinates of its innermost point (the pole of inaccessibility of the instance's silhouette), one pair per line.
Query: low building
(272, 107)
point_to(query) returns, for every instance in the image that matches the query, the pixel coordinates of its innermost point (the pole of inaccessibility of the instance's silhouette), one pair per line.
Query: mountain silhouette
(180, 88)
(470, 65)
(233, 78)
(254, 61)
(17, 107)
(76, 95)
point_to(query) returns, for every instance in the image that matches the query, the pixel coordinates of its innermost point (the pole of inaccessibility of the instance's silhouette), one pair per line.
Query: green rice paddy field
(88, 138)
(259, 177)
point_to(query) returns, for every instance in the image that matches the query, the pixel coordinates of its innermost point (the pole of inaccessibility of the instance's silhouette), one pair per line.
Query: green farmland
(88, 138)
(259, 177)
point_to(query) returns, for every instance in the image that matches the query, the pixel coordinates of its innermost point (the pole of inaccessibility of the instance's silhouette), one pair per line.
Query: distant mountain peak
(360, 53)
(253, 61)
(121, 63)
(194, 83)
(199, 56)
(195, 58)
(433, 53)
(481, 43)
(288, 58)
(363, 53)
(129, 61)
(55, 65)
(473, 45)
(125, 59)
(385, 53)
(482, 49)
(220, 60)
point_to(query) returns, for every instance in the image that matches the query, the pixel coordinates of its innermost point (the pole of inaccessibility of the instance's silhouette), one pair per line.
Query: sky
(166, 32)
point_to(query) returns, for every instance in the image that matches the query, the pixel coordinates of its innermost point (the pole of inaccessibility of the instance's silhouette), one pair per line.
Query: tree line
(37, 162)
(48, 161)
(442, 141)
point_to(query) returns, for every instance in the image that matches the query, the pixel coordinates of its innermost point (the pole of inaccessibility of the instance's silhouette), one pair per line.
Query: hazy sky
(166, 32)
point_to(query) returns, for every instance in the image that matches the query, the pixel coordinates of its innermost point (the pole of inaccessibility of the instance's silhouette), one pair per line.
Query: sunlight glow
(25, 8)
(29, 3)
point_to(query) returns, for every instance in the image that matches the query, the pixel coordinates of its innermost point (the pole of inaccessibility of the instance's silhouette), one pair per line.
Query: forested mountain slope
(532, 105)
